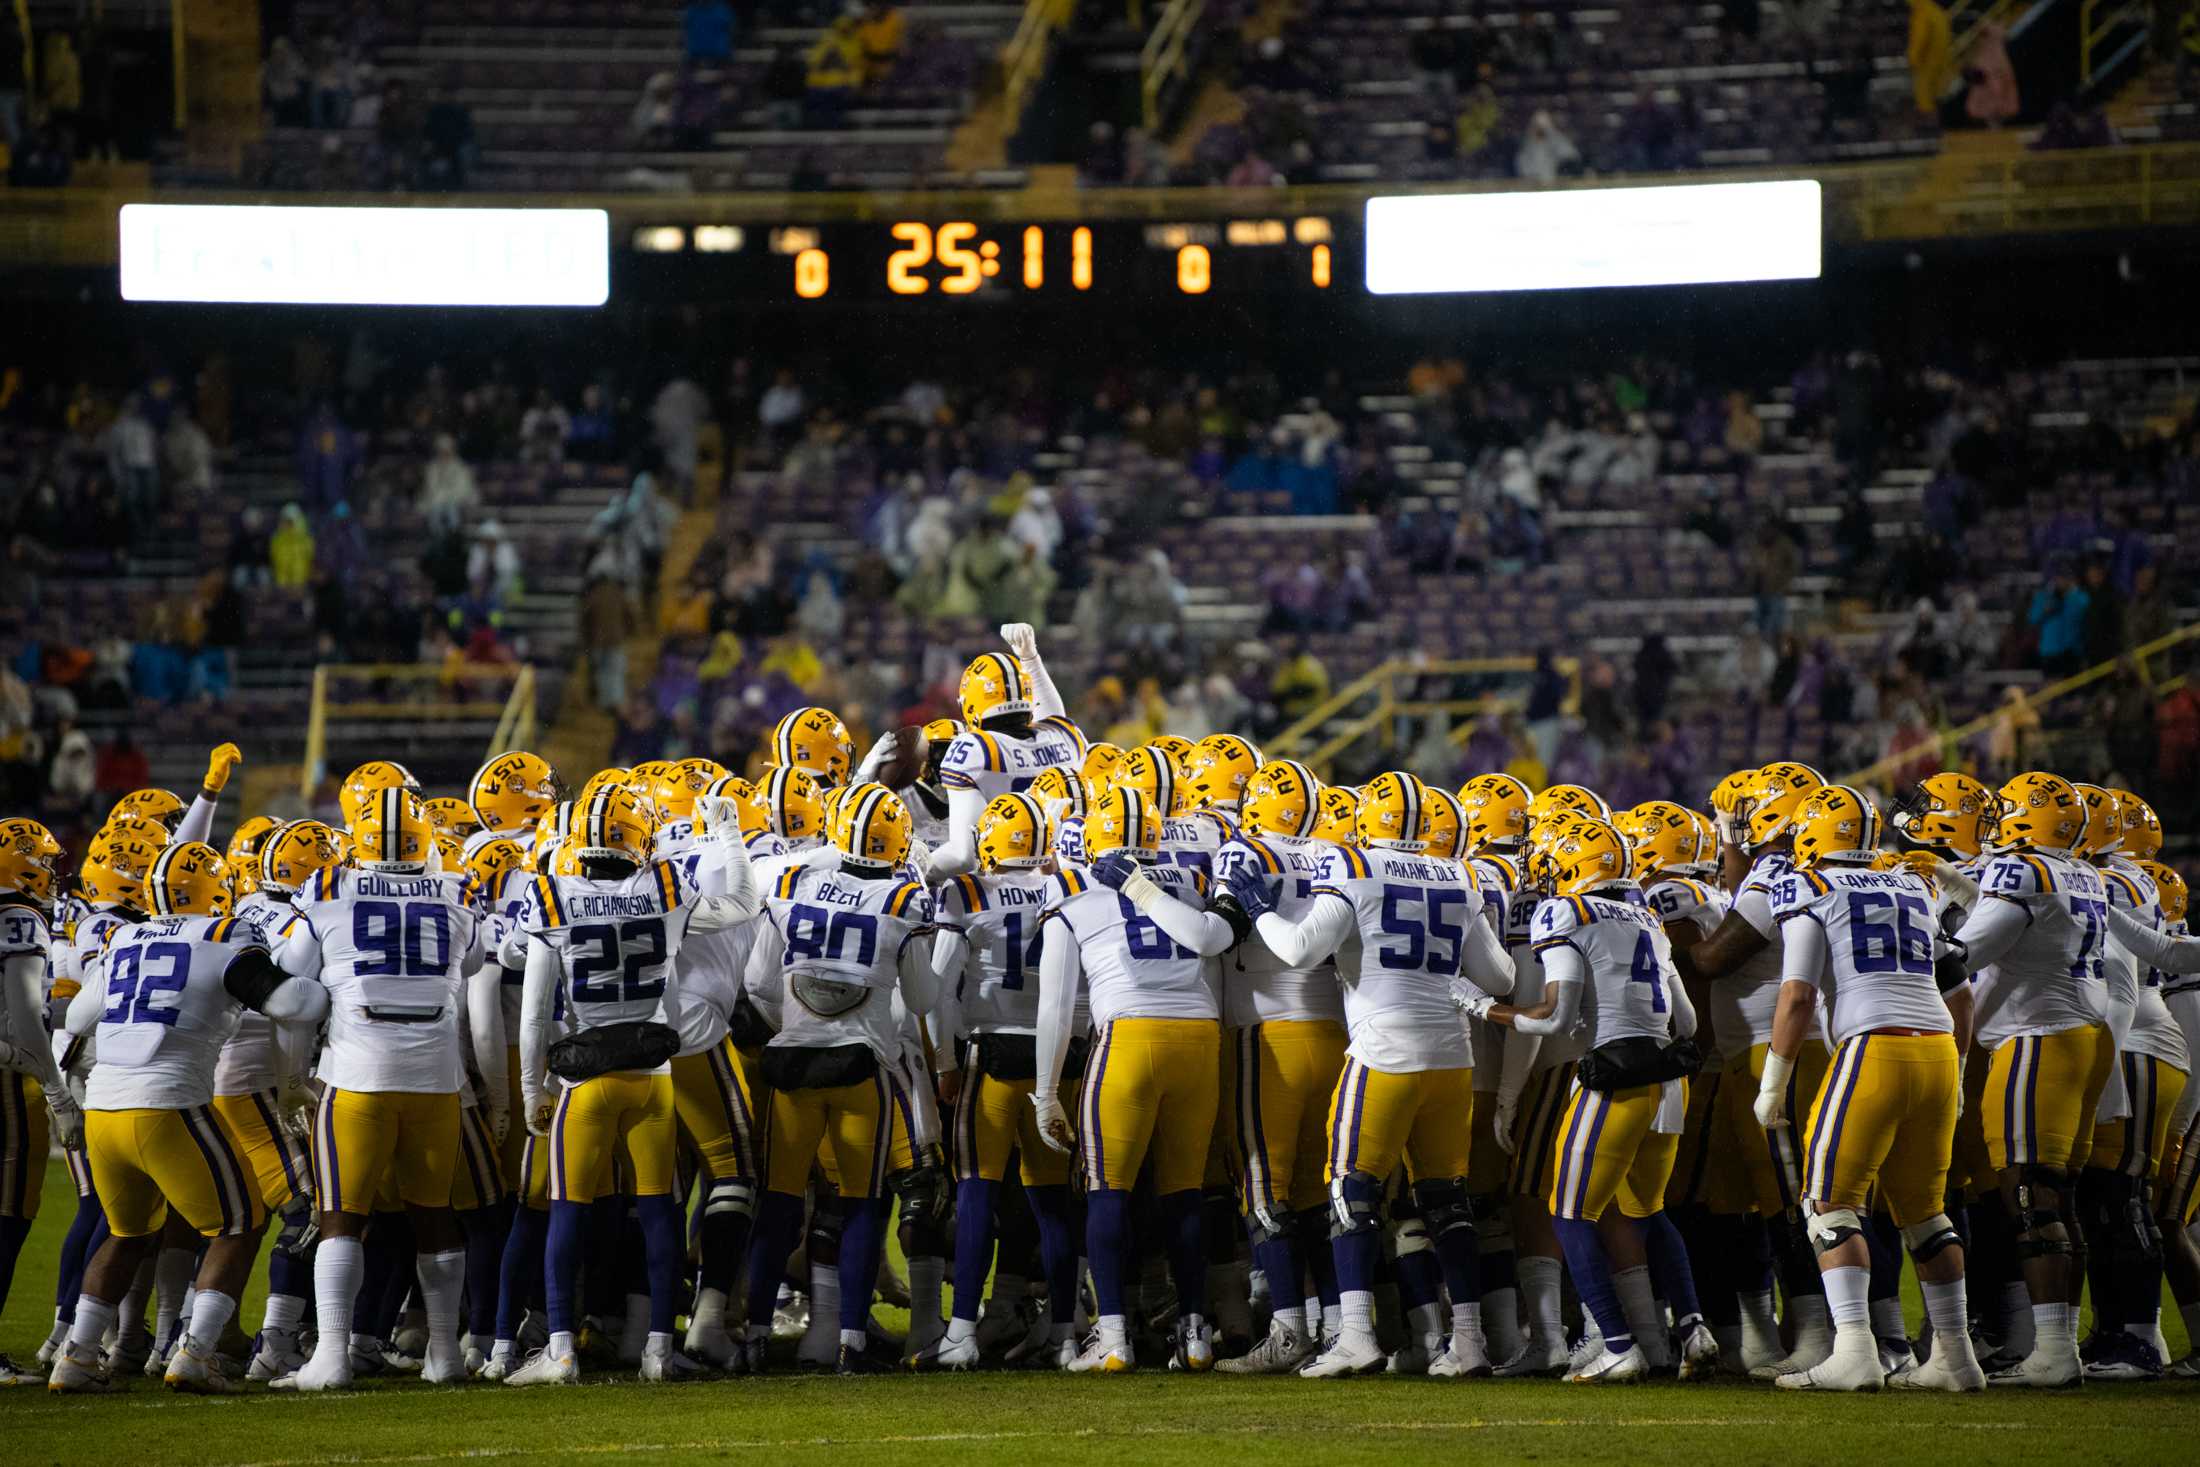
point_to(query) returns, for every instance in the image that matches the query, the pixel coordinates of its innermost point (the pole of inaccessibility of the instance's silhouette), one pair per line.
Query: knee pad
(1266, 1224)
(1829, 1228)
(301, 1229)
(923, 1193)
(730, 1197)
(1355, 1204)
(1443, 1202)
(1408, 1236)
(2043, 1200)
(1930, 1238)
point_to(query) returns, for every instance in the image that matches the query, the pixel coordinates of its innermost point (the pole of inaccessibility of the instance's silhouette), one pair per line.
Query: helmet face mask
(814, 739)
(1776, 792)
(158, 806)
(2171, 893)
(1949, 812)
(2038, 811)
(1336, 815)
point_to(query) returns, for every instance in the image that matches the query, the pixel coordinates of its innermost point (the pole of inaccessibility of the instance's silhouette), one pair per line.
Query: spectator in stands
(677, 417)
(592, 436)
(1655, 669)
(1300, 683)
(133, 458)
(1297, 597)
(650, 124)
(2057, 618)
(329, 454)
(543, 430)
(1991, 97)
(1545, 151)
(290, 550)
(2104, 614)
(493, 561)
(448, 492)
(608, 617)
(780, 409)
(881, 32)
(708, 29)
(835, 70)
(284, 77)
(189, 455)
(1772, 565)
(334, 64)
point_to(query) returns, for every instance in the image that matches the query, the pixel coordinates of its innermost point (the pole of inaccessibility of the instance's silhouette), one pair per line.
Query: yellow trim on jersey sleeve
(223, 926)
(973, 894)
(1266, 855)
(1582, 915)
(898, 902)
(992, 745)
(2131, 888)
(1072, 884)
(1076, 734)
(2040, 869)
(553, 913)
(668, 884)
(1695, 889)
(787, 879)
(1818, 883)
(1327, 890)
(1355, 863)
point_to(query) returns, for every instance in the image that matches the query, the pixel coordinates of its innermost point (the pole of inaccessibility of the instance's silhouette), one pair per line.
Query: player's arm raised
(198, 821)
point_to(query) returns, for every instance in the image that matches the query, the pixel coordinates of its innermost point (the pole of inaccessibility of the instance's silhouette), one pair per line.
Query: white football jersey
(248, 1061)
(1684, 899)
(1257, 987)
(1410, 919)
(1511, 914)
(1628, 959)
(166, 1011)
(393, 952)
(2053, 979)
(615, 941)
(1880, 944)
(995, 764)
(998, 912)
(836, 940)
(1132, 969)
(2154, 1029)
(1744, 1001)
(710, 966)
(24, 932)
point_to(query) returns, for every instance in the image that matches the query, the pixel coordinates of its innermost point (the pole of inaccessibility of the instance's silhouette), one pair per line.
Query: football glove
(539, 1110)
(1508, 1108)
(1251, 890)
(1476, 1004)
(220, 765)
(1771, 1106)
(1053, 1123)
(1113, 869)
(68, 1120)
(1021, 639)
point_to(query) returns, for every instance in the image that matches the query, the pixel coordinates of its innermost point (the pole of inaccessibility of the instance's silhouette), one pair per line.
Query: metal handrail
(514, 712)
(1024, 58)
(1381, 681)
(1163, 54)
(2094, 28)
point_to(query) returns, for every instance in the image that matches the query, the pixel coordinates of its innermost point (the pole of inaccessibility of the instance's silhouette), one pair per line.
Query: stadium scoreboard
(973, 261)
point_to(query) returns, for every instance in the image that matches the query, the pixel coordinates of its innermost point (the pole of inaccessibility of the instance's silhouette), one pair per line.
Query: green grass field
(1032, 1418)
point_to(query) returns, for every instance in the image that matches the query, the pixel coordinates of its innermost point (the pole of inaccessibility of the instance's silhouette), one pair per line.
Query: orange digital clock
(964, 261)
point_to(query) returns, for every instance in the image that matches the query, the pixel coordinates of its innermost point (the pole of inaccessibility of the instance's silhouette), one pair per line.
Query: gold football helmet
(1580, 799)
(189, 879)
(1773, 797)
(1495, 807)
(393, 833)
(295, 854)
(1282, 798)
(2142, 827)
(368, 780)
(1218, 768)
(1336, 815)
(1394, 812)
(1012, 832)
(1587, 855)
(611, 825)
(1729, 793)
(243, 854)
(1153, 772)
(1099, 766)
(745, 809)
(794, 808)
(1059, 793)
(2104, 822)
(1949, 811)
(871, 827)
(1835, 822)
(1444, 823)
(2171, 894)
(672, 794)
(510, 792)
(601, 779)
(158, 806)
(452, 816)
(114, 873)
(489, 865)
(815, 739)
(993, 686)
(2039, 812)
(1662, 836)
(30, 860)
(1123, 818)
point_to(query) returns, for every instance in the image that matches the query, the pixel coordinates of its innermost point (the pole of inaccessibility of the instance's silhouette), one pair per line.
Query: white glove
(1508, 1107)
(68, 1120)
(1771, 1105)
(1021, 639)
(1730, 828)
(721, 817)
(1476, 1004)
(1140, 890)
(539, 1110)
(881, 748)
(1961, 889)
(1053, 1123)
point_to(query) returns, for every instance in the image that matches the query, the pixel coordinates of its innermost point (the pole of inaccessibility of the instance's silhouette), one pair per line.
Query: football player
(1016, 725)
(359, 792)
(1129, 928)
(511, 793)
(838, 940)
(1608, 964)
(162, 1002)
(989, 940)
(1406, 928)
(1287, 1026)
(393, 939)
(2040, 922)
(1885, 1120)
(815, 741)
(1739, 964)
(29, 856)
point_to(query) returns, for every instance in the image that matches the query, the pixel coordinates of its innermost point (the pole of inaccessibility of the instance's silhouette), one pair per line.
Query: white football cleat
(445, 1369)
(1536, 1357)
(194, 1374)
(1801, 1361)
(1840, 1371)
(663, 1363)
(711, 1344)
(1284, 1350)
(1457, 1363)
(1192, 1346)
(1699, 1352)
(53, 1344)
(1413, 1357)
(1942, 1372)
(544, 1368)
(326, 1371)
(276, 1356)
(1350, 1353)
(947, 1353)
(1099, 1355)
(476, 1360)
(1606, 1368)
(2041, 1372)
(130, 1352)
(12, 1374)
(78, 1369)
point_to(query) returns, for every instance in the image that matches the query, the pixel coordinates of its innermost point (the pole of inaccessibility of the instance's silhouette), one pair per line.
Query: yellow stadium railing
(1378, 701)
(416, 694)
(1949, 741)
(2098, 22)
(1024, 58)
(1165, 54)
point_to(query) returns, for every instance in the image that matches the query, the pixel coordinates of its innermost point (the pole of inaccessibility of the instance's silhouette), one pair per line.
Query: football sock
(2190, 1313)
(1540, 1282)
(1320, 1258)
(1887, 1321)
(960, 1329)
(442, 1280)
(974, 1197)
(484, 1229)
(1669, 1267)
(1183, 1233)
(1592, 1275)
(211, 1311)
(660, 1219)
(778, 1224)
(860, 1245)
(1357, 1311)
(1638, 1304)
(284, 1313)
(561, 1342)
(338, 1265)
(1459, 1258)
(388, 1277)
(1466, 1326)
(926, 1275)
(521, 1263)
(561, 1262)
(75, 1254)
(597, 1249)
(1279, 1260)
(93, 1317)
(2051, 1331)
(1050, 1214)
(1848, 1300)
(131, 1318)
(1107, 1230)
(1947, 1310)
(288, 1274)
(2018, 1318)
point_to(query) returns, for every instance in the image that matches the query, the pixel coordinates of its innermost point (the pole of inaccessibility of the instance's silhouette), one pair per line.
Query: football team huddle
(1287, 1077)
